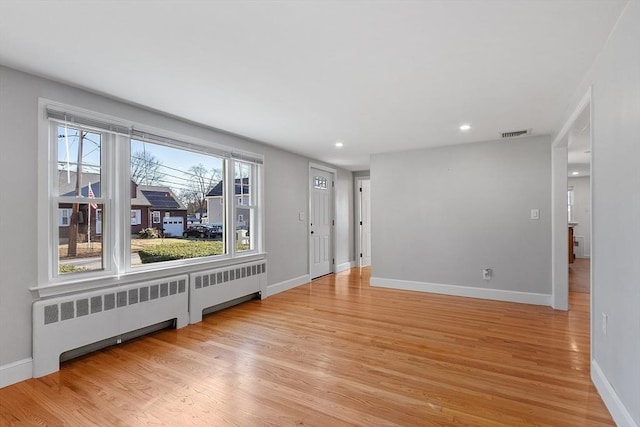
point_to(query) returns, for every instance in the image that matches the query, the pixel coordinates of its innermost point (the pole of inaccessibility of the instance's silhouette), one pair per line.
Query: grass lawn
(158, 249)
(95, 248)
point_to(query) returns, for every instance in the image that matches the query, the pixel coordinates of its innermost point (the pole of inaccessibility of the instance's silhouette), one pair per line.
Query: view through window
(79, 184)
(179, 201)
(170, 189)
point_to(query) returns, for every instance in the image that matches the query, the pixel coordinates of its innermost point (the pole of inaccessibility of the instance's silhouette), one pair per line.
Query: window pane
(79, 162)
(170, 185)
(80, 230)
(244, 197)
(243, 229)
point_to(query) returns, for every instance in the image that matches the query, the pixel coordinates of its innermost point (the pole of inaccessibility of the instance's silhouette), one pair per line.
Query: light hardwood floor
(580, 275)
(334, 352)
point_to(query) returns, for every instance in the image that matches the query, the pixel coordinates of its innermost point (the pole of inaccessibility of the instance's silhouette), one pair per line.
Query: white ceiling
(378, 75)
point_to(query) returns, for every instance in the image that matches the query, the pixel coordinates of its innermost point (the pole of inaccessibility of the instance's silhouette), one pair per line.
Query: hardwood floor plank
(334, 352)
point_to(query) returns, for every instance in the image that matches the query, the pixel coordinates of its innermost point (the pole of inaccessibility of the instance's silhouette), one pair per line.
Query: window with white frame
(169, 178)
(64, 217)
(136, 216)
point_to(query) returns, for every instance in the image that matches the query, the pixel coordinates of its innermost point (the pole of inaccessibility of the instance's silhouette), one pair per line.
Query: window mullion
(118, 165)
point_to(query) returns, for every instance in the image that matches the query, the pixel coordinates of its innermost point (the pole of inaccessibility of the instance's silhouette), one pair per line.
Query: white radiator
(66, 323)
(218, 286)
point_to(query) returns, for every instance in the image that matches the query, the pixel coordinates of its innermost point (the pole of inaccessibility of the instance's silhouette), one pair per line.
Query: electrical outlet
(535, 213)
(487, 273)
(604, 323)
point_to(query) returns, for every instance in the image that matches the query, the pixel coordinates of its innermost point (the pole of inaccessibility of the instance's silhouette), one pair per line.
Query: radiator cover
(66, 323)
(217, 286)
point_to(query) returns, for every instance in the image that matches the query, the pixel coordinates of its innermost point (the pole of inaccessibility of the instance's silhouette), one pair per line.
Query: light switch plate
(301, 216)
(535, 213)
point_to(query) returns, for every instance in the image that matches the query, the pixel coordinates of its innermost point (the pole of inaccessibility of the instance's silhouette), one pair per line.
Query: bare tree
(146, 169)
(190, 199)
(201, 181)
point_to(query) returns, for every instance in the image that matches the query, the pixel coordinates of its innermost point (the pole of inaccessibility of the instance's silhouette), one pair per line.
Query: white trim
(276, 288)
(618, 411)
(345, 266)
(195, 265)
(559, 241)
(463, 291)
(323, 168)
(15, 372)
(586, 99)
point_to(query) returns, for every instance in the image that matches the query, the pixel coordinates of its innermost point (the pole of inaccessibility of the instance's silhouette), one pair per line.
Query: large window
(107, 223)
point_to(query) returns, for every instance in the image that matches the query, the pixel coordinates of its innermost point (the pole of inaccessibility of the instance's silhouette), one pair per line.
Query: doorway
(363, 221)
(321, 184)
(563, 167)
(579, 206)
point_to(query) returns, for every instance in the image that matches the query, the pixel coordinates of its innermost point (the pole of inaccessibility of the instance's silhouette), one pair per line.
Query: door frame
(358, 215)
(332, 245)
(559, 220)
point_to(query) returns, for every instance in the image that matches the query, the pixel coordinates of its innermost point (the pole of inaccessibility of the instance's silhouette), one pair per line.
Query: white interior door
(320, 222)
(365, 223)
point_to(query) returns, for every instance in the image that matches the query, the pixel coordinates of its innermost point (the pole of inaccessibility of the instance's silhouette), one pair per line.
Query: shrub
(148, 233)
(69, 268)
(172, 251)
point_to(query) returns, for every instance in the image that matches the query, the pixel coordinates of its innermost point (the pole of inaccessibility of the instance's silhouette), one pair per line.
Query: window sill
(89, 284)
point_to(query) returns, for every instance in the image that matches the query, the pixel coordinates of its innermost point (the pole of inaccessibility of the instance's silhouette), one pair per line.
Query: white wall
(582, 210)
(286, 194)
(615, 253)
(442, 215)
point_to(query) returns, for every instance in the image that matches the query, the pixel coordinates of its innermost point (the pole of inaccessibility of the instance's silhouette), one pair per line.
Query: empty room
(324, 213)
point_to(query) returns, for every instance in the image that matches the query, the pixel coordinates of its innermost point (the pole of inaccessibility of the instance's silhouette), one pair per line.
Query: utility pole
(75, 215)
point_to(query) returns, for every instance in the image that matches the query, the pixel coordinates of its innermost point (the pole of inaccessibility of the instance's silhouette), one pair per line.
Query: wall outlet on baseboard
(487, 273)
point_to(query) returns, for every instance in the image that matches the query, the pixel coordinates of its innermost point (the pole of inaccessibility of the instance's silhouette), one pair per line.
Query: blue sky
(175, 163)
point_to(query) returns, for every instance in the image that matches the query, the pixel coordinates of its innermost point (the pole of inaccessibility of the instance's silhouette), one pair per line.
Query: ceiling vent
(516, 133)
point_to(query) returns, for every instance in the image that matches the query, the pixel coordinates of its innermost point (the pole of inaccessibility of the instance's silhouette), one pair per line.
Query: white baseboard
(286, 285)
(618, 411)
(345, 266)
(15, 372)
(463, 291)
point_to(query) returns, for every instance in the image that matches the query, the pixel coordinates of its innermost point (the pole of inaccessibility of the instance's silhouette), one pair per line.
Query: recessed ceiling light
(575, 173)
(465, 127)
(339, 144)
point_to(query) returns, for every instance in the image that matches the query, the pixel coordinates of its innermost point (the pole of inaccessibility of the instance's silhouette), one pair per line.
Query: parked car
(203, 231)
(215, 231)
